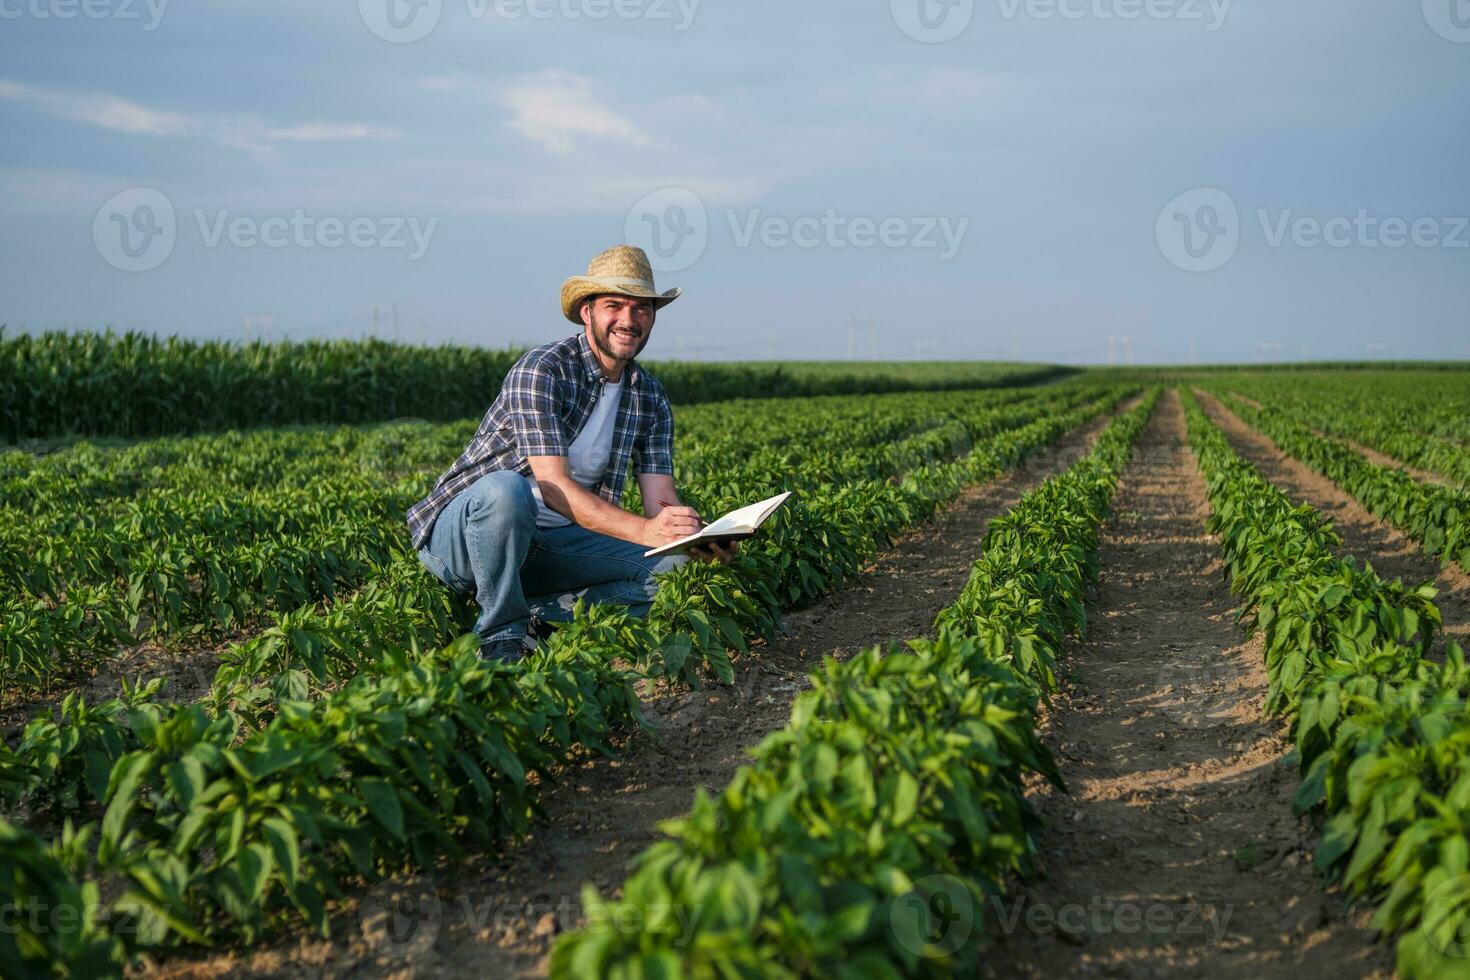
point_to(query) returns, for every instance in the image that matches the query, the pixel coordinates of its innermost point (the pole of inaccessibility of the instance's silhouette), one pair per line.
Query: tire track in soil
(500, 917)
(1365, 537)
(1176, 853)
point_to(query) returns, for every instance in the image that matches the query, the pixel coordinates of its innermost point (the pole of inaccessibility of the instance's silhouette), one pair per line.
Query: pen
(664, 503)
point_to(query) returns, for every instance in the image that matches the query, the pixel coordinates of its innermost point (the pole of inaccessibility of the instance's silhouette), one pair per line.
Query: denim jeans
(486, 542)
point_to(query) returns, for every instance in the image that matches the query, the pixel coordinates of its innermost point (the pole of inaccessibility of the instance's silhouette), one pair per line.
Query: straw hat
(622, 269)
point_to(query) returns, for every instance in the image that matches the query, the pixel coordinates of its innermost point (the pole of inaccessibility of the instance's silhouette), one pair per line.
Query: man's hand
(714, 551)
(671, 524)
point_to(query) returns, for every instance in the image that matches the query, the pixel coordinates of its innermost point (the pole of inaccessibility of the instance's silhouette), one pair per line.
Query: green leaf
(283, 841)
(905, 798)
(254, 866)
(185, 779)
(382, 802)
(732, 632)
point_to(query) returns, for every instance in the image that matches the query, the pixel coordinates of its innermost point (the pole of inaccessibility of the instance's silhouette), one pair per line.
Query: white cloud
(320, 132)
(557, 108)
(112, 112)
(98, 109)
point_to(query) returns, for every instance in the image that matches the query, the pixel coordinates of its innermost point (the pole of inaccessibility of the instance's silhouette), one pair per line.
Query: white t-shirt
(589, 453)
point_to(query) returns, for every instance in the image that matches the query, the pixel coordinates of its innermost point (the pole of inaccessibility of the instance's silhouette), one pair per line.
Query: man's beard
(600, 337)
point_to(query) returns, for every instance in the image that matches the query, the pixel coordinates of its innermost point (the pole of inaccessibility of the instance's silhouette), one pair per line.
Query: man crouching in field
(528, 517)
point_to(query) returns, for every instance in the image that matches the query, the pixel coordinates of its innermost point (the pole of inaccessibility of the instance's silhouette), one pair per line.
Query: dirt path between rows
(499, 918)
(1392, 553)
(1378, 459)
(1176, 853)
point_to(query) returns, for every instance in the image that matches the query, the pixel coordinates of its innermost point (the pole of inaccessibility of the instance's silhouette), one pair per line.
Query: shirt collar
(593, 366)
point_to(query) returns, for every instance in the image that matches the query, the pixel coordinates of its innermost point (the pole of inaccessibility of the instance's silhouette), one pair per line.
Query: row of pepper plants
(895, 795)
(212, 828)
(1420, 420)
(1436, 516)
(54, 484)
(180, 565)
(1382, 730)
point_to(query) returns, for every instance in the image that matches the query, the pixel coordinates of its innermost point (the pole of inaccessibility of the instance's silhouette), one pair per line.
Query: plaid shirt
(546, 399)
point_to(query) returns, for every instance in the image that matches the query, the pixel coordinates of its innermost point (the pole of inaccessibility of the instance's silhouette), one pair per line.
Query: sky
(1077, 181)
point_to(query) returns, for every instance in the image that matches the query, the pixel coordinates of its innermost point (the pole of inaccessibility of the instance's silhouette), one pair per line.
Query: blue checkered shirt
(546, 399)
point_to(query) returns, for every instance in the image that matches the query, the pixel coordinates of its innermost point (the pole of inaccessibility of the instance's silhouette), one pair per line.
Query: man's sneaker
(510, 649)
(537, 630)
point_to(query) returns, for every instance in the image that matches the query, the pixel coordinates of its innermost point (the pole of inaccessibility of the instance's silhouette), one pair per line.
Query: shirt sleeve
(533, 399)
(654, 451)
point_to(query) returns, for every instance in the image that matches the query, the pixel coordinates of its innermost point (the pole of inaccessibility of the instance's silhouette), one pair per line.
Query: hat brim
(578, 288)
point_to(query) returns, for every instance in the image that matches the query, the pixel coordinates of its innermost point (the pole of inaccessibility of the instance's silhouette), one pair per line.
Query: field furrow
(1176, 852)
(1393, 554)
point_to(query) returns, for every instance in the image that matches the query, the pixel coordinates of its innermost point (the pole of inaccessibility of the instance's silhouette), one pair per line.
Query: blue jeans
(486, 541)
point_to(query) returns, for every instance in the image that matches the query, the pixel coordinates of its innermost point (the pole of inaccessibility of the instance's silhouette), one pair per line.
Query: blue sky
(1061, 180)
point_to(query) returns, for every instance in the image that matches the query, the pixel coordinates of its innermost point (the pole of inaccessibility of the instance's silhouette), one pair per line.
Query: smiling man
(528, 517)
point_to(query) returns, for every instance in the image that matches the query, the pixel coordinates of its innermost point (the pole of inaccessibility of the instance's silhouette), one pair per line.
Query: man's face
(618, 326)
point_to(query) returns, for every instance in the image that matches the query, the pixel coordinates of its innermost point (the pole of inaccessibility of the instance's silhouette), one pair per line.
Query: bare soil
(1392, 553)
(1176, 853)
(499, 917)
(189, 672)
